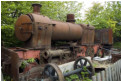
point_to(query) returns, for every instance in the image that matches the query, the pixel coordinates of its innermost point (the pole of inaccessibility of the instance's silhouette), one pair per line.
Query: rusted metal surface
(87, 35)
(98, 51)
(57, 56)
(36, 8)
(45, 30)
(85, 51)
(70, 18)
(89, 51)
(10, 63)
(24, 53)
(42, 32)
(115, 57)
(104, 36)
(94, 50)
(97, 36)
(66, 31)
(29, 54)
(53, 53)
(107, 36)
(81, 51)
(23, 28)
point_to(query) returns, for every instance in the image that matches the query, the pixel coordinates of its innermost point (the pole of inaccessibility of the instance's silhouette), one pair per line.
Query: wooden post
(98, 77)
(93, 78)
(109, 73)
(103, 76)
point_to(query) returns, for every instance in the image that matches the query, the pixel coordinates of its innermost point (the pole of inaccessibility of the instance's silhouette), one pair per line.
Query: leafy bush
(75, 77)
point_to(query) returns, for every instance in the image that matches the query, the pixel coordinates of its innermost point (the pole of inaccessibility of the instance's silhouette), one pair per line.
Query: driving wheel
(85, 65)
(53, 72)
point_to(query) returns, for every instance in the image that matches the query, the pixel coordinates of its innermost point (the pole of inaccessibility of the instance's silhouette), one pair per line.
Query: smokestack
(36, 8)
(70, 18)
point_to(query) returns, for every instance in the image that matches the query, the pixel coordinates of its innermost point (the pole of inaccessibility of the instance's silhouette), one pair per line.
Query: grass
(117, 45)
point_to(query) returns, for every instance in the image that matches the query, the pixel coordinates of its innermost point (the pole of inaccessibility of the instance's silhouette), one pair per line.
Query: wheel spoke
(53, 72)
(89, 71)
(50, 69)
(47, 73)
(78, 66)
(50, 73)
(85, 63)
(81, 63)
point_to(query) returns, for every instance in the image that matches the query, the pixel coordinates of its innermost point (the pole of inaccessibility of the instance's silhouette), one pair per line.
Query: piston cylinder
(54, 53)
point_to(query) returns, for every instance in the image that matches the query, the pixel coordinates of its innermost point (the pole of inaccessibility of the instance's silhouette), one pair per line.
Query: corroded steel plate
(23, 28)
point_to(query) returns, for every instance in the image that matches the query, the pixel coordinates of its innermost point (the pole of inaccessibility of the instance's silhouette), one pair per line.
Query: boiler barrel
(60, 30)
(66, 31)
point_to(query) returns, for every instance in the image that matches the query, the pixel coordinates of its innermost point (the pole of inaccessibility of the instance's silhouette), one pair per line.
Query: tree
(116, 16)
(11, 10)
(106, 16)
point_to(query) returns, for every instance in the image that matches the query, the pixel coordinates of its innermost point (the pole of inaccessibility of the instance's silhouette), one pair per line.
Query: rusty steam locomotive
(50, 41)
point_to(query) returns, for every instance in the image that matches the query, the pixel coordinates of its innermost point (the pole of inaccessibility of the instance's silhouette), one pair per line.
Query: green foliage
(31, 60)
(58, 10)
(11, 10)
(83, 73)
(106, 16)
(75, 77)
(23, 64)
(117, 45)
(72, 77)
(7, 78)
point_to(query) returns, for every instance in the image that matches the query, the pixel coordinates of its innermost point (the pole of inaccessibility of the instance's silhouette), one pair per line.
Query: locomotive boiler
(39, 31)
(51, 41)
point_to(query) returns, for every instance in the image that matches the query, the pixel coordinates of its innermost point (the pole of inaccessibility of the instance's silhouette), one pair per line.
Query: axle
(72, 72)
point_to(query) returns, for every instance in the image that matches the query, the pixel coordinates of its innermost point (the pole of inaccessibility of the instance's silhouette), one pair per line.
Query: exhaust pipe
(36, 8)
(70, 18)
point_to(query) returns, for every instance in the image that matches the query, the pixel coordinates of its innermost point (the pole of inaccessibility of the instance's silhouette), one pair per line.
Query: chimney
(70, 18)
(36, 8)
